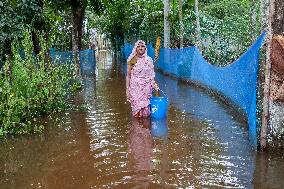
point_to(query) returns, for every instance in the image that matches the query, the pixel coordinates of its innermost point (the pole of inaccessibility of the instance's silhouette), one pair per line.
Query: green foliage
(29, 87)
(10, 26)
(226, 26)
(115, 20)
(62, 28)
(61, 31)
(227, 30)
(227, 8)
(96, 6)
(148, 21)
(19, 15)
(129, 20)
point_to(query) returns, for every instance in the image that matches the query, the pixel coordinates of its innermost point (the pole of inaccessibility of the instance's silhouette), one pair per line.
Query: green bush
(31, 86)
(227, 30)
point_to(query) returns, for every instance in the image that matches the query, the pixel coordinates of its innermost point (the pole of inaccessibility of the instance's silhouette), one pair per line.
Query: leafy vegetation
(29, 88)
(227, 30)
(228, 27)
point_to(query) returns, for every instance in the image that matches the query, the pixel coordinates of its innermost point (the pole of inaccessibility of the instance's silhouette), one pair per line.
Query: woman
(140, 80)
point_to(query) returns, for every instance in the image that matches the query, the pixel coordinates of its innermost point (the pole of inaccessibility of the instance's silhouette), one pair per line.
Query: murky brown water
(200, 145)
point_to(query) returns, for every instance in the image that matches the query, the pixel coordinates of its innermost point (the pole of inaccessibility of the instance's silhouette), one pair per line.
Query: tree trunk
(78, 17)
(264, 10)
(253, 17)
(180, 23)
(35, 43)
(8, 48)
(267, 72)
(78, 14)
(75, 45)
(276, 81)
(278, 19)
(47, 54)
(198, 32)
(8, 51)
(166, 24)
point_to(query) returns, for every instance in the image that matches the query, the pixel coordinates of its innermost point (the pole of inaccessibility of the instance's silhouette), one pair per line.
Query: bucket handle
(164, 94)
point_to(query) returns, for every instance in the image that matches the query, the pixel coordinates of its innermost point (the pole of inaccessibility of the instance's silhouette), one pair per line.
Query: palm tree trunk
(253, 17)
(198, 32)
(166, 24)
(180, 23)
(264, 11)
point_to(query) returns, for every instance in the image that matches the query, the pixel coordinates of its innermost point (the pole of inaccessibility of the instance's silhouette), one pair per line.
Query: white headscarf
(134, 53)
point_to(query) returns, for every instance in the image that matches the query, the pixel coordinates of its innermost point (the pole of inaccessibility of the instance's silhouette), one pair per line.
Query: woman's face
(140, 49)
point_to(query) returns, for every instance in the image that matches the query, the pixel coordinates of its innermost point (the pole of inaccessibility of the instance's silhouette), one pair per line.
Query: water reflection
(140, 150)
(269, 170)
(148, 152)
(159, 131)
(89, 92)
(50, 160)
(159, 128)
(104, 57)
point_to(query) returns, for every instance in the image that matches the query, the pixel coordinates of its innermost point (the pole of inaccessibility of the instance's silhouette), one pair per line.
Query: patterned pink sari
(141, 82)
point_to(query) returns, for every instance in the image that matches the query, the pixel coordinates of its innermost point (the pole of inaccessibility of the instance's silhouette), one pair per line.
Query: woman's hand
(156, 87)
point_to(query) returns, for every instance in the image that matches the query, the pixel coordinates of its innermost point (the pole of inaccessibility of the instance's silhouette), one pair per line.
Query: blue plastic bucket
(159, 107)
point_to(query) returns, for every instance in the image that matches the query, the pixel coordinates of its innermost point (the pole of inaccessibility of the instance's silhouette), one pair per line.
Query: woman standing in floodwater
(140, 80)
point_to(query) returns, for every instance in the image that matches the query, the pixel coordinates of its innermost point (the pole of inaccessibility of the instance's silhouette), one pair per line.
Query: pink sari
(141, 82)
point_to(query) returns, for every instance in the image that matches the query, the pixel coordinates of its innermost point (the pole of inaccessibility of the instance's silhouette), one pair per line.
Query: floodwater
(202, 144)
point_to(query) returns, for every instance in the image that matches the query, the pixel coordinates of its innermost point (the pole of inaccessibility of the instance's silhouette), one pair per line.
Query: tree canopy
(227, 27)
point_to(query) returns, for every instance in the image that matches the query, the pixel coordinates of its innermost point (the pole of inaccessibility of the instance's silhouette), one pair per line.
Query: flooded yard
(203, 143)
